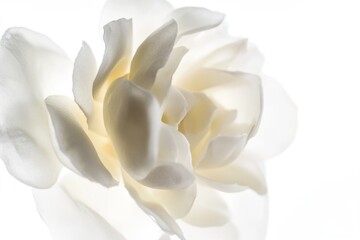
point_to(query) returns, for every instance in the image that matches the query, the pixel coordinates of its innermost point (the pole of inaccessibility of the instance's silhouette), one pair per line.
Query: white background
(312, 47)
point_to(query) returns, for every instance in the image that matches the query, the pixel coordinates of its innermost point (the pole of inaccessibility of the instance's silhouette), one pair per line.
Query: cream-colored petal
(153, 209)
(239, 56)
(146, 15)
(84, 74)
(246, 172)
(209, 209)
(195, 19)
(175, 107)
(169, 176)
(222, 150)
(118, 47)
(70, 218)
(278, 125)
(31, 67)
(75, 147)
(152, 55)
(132, 121)
(238, 91)
(164, 76)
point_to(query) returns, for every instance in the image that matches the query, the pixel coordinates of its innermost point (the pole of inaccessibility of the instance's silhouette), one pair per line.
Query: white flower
(172, 114)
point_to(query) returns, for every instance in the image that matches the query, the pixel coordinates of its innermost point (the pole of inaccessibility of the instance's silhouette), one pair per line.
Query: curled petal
(237, 176)
(70, 218)
(152, 55)
(195, 19)
(31, 67)
(175, 107)
(118, 45)
(132, 120)
(76, 149)
(146, 15)
(164, 76)
(83, 77)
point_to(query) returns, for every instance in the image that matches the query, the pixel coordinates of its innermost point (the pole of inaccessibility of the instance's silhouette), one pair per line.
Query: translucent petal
(246, 172)
(278, 125)
(152, 55)
(32, 66)
(76, 148)
(195, 19)
(117, 55)
(164, 76)
(209, 209)
(146, 15)
(85, 70)
(132, 120)
(175, 107)
(71, 219)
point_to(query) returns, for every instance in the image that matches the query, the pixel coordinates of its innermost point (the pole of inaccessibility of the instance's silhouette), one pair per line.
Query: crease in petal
(162, 83)
(195, 19)
(71, 219)
(118, 47)
(243, 173)
(152, 55)
(132, 121)
(75, 147)
(85, 70)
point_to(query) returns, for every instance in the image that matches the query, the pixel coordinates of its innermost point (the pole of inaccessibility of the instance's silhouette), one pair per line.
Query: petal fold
(76, 149)
(118, 47)
(152, 55)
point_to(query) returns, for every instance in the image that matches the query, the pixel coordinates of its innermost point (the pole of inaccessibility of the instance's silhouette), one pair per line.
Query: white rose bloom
(167, 126)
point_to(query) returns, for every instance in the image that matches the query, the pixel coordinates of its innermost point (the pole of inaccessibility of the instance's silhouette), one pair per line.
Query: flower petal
(169, 176)
(164, 76)
(175, 107)
(195, 19)
(278, 125)
(209, 209)
(69, 218)
(152, 55)
(237, 91)
(238, 56)
(222, 150)
(76, 149)
(146, 15)
(132, 120)
(31, 64)
(237, 176)
(118, 46)
(85, 70)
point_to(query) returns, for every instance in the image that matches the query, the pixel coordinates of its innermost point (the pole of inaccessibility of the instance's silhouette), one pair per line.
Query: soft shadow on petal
(76, 150)
(245, 172)
(117, 55)
(71, 219)
(152, 55)
(209, 209)
(153, 209)
(32, 66)
(84, 73)
(146, 15)
(278, 123)
(195, 19)
(132, 120)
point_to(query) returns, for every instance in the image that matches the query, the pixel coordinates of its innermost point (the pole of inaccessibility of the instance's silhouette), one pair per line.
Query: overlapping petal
(31, 67)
